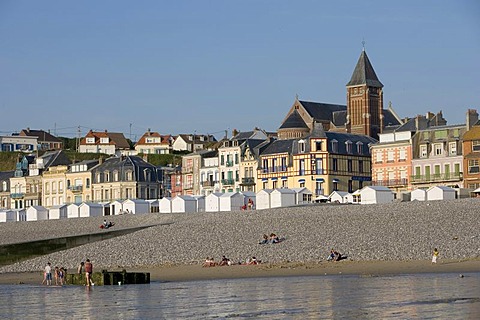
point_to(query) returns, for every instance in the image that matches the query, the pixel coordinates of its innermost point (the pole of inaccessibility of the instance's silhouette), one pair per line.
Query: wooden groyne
(105, 278)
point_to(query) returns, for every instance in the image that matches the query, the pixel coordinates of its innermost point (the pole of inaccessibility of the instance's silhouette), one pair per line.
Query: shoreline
(195, 272)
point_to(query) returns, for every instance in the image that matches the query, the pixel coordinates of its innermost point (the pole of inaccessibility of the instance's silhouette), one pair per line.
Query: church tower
(364, 100)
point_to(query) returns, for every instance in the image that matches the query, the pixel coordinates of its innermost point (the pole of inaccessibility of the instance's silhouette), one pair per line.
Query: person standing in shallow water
(435, 255)
(88, 272)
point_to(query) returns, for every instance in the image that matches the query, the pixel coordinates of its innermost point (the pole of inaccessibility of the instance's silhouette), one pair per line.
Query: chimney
(100, 160)
(105, 130)
(429, 115)
(421, 122)
(472, 118)
(148, 131)
(28, 129)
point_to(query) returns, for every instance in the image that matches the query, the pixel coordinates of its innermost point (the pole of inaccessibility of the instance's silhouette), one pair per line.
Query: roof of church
(322, 111)
(364, 73)
(294, 120)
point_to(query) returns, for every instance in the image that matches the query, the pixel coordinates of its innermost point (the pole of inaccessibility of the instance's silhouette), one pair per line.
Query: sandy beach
(178, 273)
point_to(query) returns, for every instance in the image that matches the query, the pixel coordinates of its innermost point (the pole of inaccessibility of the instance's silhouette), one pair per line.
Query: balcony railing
(437, 177)
(229, 163)
(188, 186)
(75, 188)
(248, 181)
(390, 183)
(208, 183)
(319, 192)
(228, 182)
(17, 195)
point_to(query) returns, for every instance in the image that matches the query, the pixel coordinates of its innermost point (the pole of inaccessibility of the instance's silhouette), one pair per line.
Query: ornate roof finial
(363, 44)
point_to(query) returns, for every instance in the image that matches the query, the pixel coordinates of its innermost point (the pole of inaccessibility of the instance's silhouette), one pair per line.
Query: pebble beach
(399, 231)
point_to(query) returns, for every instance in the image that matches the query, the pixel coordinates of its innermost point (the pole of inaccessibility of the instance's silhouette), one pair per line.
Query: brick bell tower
(364, 100)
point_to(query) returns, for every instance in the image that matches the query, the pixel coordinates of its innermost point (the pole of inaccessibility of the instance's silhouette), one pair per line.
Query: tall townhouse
(230, 155)
(471, 152)
(79, 181)
(176, 182)
(54, 185)
(437, 157)
(321, 162)
(5, 177)
(191, 164)
(250, 156)
(392, 155)
(125, 177)
(209, 177)
(26, 185)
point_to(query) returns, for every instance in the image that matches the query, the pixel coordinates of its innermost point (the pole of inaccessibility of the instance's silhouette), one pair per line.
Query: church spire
(364, 73)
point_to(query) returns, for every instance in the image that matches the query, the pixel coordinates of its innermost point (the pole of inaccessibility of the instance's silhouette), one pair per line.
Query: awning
(301, 180)
(320, 180)
(335, 180)
(284, 178)
(274, 179)
(264, 179)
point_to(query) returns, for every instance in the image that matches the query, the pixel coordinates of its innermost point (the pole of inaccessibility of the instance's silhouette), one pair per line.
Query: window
(301, 171)
(452, 146)
(423, 151)
(379, 176)
(129, 175)
(90, 140)
(348, 146)
(284, 183)
(104, 140)
(319, 166)
(274, 184)
(265, 165)
(360, 166)
(390, 156)
(274, 165)
(402, 155)
(115, 175)
(476, 145)
(473, 166)
(438, 149)
(284, 164)
(427, 172)
(403, 174)
(391, 176)
(436, 169)
(318, 145)
(60, 186)
(360, 147)
(236, 158)
(334, 146)
(417, 172)
(378, 156)
(88, 183)
(106, 176)
(334, 164)
(301, 146)
(349, 165)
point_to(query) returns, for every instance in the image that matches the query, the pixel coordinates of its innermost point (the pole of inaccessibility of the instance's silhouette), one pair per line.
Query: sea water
(434, 296)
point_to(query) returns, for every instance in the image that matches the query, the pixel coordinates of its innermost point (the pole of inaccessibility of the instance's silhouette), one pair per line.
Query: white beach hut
(302, 195)
(418, 195)
(200, 203)
(58, 212)
(263, 199)
(154, 206)
(249, 196)
(212, 202)
(165, 205)
(21, 214)
(72, 210)
(231, 201)
(116, 208)
(282, 198)
(340, 197)
(184, 204)
(375, 194)
(88, 209)
(8, 216)
(136, 206)
(37, 213)
(440, 193)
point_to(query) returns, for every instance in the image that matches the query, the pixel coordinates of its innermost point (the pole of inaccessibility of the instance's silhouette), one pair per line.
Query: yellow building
(79, 182)
(54, 186)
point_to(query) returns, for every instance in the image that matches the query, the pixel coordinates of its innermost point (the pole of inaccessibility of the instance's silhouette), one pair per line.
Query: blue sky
(209, 66)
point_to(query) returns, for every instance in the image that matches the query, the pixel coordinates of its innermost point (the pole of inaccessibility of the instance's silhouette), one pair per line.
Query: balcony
(230, 182)
(390, 183)
(208, 183)
(75, 189)
(229, 163)
(437, 177)
(17, 195)
(319, 192)
(248, 181)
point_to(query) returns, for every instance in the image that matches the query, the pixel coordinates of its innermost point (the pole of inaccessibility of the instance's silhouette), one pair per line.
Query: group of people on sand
(86, 266)
(57, 273)
(334, 255)
(273, 238)
(210, 262)
(107, 224)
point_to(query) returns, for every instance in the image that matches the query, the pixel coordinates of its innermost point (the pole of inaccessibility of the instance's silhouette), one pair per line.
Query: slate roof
(123, 164)
(294, 121)
(342, 138)
(322, 111)
(6, 175)
(364, 73)
(40, 134)
(55, 158)
(389, 119)
(280, 146)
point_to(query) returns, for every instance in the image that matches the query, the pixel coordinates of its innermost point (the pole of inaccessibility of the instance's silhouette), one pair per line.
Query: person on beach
(435, 255)
(264, 240)
(209, 262)
(56, 274)
(61, 275)
(88, 272)
(48, 274)
(80, 268)
(224, 261)
(274, 238)
(252, 261)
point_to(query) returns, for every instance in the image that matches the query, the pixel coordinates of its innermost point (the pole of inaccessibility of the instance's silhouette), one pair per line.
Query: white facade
(212, 202)
(72, 211)
(182, 204)
(165, 205)
(440, 193)
(58, 212)
(90, 210)
(419, 195)
(231, 201)
(116, 208)
(37, 213)
(136, 206)
(340, 197)
(282, 198)
(375, 194)
(263, 199)
(302, 195)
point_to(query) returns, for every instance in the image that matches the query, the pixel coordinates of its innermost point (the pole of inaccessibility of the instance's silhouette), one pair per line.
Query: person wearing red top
(88, 272)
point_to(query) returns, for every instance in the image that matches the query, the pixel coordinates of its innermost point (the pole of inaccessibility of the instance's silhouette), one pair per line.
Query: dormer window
(104, 140)
(348, 146)
(90, 140)
(334, 146)
(360, 147)
(301, 146)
